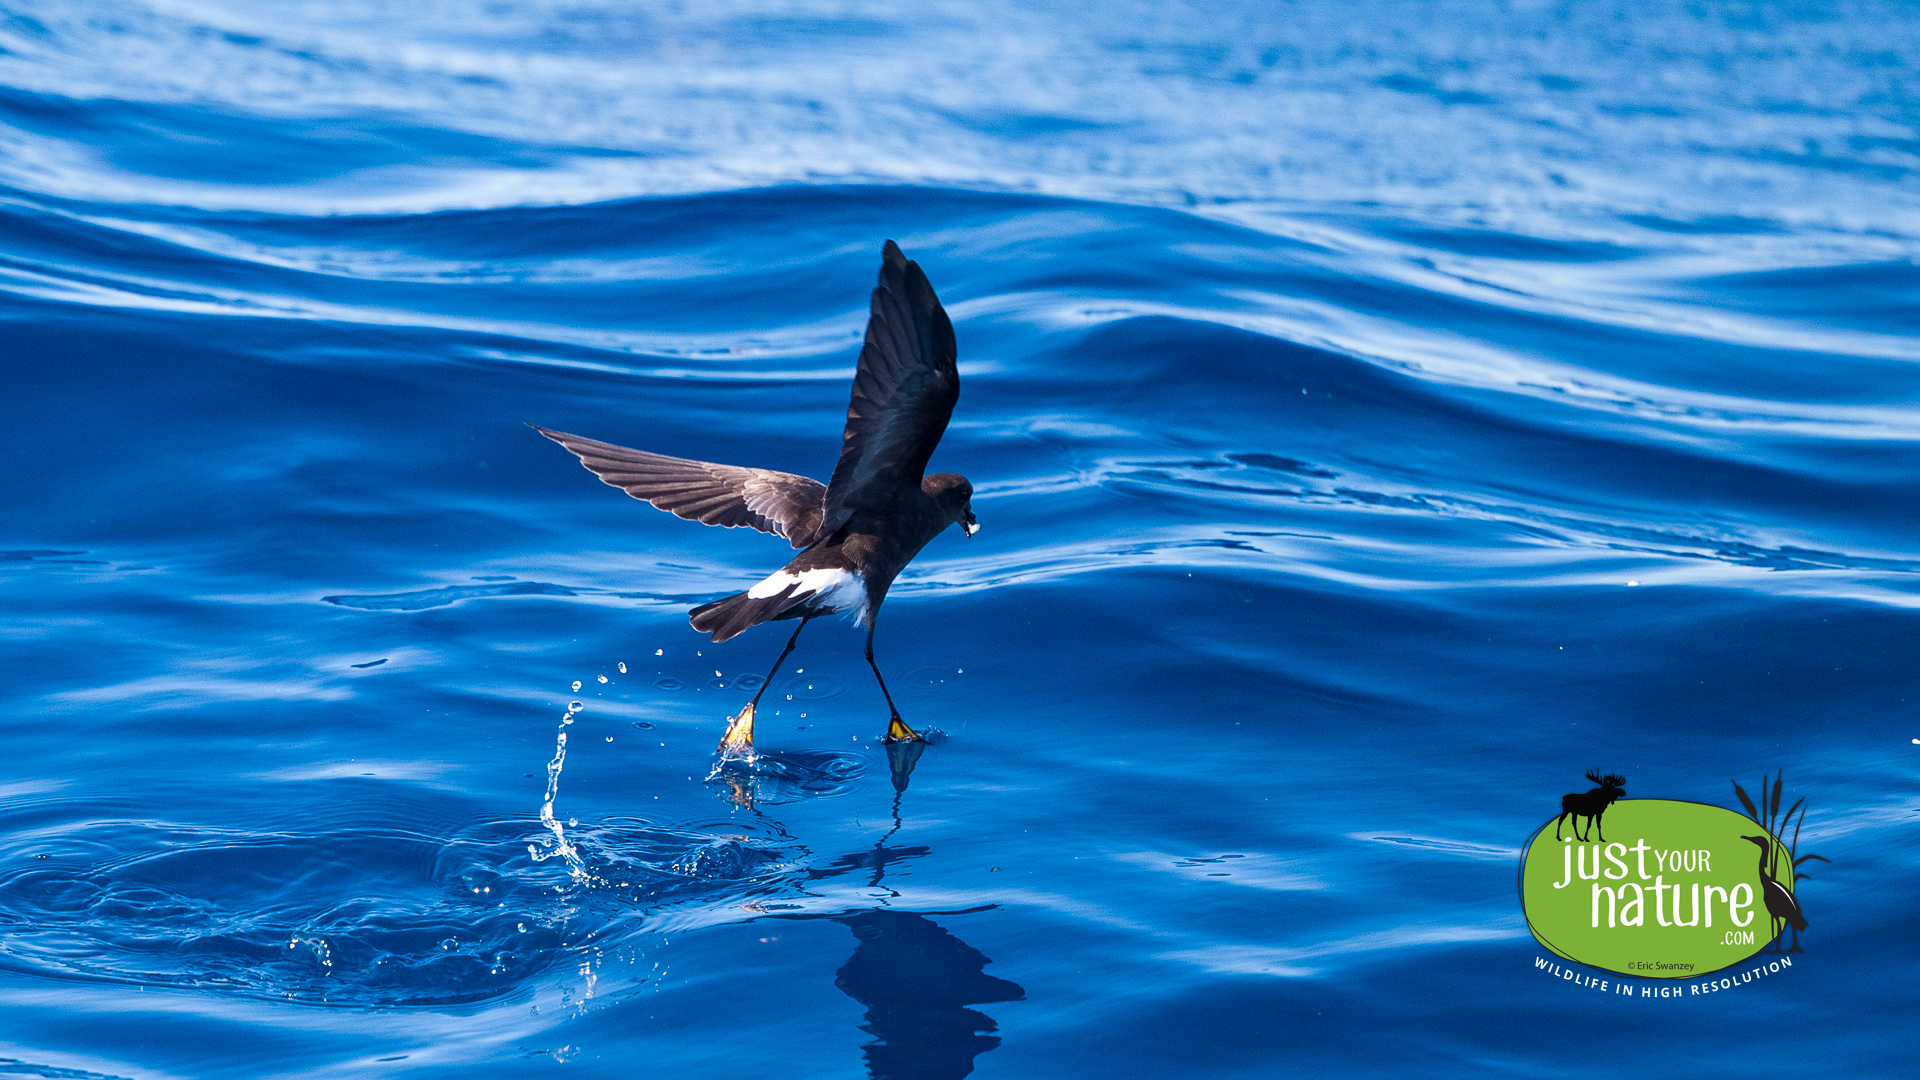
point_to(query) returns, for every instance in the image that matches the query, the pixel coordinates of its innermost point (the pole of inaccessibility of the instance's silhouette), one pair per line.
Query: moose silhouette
(1590, 804)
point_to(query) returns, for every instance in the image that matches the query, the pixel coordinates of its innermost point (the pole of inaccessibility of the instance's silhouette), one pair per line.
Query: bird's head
(1764, 841)
(954, 496)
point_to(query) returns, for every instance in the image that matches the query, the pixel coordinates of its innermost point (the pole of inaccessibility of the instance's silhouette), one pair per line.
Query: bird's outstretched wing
(775, 502)
(903, 393)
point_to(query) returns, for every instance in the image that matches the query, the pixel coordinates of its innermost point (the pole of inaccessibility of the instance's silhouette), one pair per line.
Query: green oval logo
(1678, 889)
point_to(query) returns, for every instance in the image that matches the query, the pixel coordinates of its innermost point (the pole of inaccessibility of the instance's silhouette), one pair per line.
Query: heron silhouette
(1779, 899)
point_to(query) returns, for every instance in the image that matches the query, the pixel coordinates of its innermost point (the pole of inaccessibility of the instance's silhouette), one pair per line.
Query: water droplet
(1632, 584)
(623, 667)
(572, 821)
(642, 725)
(609, 738)
(716, 673)
(576, 706)
(576, 686)
(523, 928)
(603, 678)
(659, 652)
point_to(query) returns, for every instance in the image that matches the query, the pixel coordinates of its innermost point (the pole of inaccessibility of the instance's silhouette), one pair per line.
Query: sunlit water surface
(1375, 423)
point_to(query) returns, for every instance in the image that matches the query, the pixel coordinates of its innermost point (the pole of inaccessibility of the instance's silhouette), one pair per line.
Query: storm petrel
(857, 531)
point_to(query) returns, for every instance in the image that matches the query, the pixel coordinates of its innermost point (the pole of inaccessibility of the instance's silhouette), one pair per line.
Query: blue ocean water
(1377, 419)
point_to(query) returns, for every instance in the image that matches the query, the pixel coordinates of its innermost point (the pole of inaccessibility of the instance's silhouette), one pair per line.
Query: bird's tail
(725, 618)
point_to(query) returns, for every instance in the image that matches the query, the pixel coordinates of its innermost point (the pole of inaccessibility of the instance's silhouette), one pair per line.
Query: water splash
(556, 844)
(783, 776)
(319, 946)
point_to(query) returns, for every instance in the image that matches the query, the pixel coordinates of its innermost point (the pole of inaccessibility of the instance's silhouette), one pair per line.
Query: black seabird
(861, 528)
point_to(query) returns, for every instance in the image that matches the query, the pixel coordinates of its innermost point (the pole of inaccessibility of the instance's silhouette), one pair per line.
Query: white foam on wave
(1308, 959)
(1445, 355)
(1482, 549)
(97, 288)
(1521, 113)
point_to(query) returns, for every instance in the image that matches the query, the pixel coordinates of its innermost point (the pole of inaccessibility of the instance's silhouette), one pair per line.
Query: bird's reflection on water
(916, 979)
(785, 776)
(913, 975)
(876, 860)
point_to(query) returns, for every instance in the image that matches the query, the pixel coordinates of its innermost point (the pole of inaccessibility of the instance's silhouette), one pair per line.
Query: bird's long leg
(784, 653)
(897, 729)
(739, 737)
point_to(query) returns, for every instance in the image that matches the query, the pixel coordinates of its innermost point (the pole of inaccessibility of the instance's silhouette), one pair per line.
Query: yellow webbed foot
(738, 741)
(898, 731)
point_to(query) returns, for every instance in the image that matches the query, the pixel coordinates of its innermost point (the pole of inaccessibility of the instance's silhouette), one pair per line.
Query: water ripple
(348, 917)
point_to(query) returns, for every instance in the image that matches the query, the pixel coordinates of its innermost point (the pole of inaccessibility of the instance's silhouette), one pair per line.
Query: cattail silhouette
(1779, 898)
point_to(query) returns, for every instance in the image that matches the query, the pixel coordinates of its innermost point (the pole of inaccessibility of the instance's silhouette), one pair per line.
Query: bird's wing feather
(775, 502)
(903, 393)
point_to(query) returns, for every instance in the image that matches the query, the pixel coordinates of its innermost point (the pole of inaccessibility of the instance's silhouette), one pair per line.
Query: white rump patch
(840, 590)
